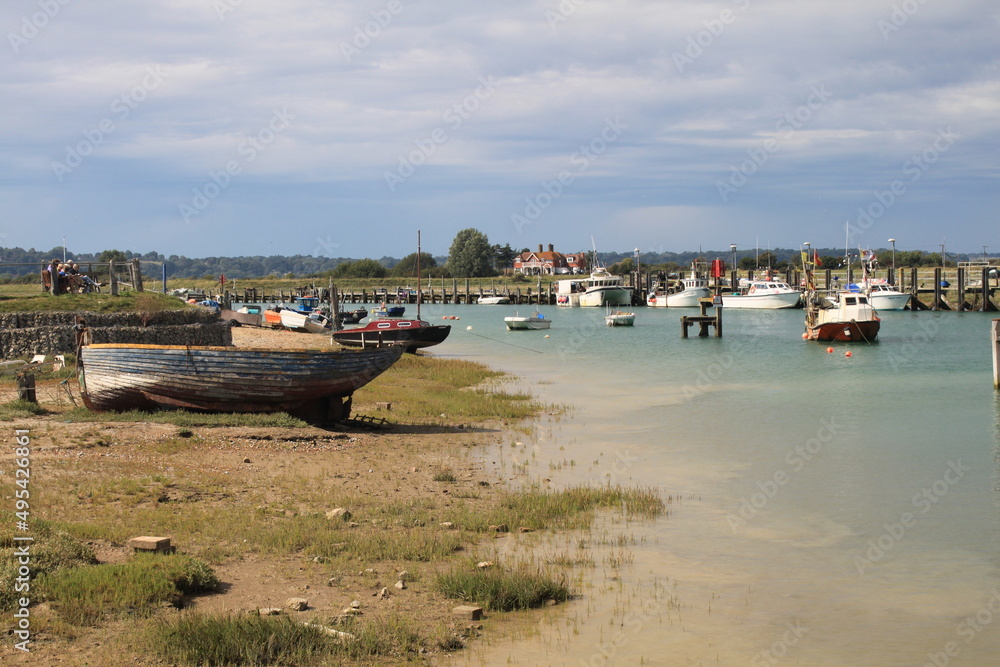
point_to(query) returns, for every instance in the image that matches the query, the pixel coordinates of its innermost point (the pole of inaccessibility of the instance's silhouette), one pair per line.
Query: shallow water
(834, 510)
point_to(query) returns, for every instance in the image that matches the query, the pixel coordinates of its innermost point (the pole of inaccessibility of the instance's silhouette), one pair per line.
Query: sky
(338, 129)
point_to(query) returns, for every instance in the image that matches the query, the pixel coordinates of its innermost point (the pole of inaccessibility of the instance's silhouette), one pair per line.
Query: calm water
(835, 510)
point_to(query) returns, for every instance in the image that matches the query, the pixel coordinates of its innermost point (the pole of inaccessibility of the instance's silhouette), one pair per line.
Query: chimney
(551, 249)
(539, 247)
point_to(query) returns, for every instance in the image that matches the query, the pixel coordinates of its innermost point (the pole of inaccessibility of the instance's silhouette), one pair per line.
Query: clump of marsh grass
(499, 588)
(51, 551)
(187, 419)
(20, 409)
(87, 595)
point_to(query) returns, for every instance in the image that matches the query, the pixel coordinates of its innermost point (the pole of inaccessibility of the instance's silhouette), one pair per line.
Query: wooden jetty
(704, 321)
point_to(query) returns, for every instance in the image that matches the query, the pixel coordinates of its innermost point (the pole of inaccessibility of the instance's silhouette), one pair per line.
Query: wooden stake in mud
(995, 337)
(26, 387)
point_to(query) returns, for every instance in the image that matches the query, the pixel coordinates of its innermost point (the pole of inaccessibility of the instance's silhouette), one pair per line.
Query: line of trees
(471, 255)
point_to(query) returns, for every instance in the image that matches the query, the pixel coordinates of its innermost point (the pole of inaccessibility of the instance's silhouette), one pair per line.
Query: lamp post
(893, 242)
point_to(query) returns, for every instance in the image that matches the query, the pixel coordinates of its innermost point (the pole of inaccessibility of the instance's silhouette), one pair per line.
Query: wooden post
(995, 336)
(26, 387)
(468, 294)
(960, 280)
(113, 280)
(913, 280)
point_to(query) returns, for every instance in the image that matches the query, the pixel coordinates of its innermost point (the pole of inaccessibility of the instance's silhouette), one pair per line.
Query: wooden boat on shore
(315, 385)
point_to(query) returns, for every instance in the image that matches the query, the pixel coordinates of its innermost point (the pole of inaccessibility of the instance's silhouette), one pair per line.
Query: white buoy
(468, 328)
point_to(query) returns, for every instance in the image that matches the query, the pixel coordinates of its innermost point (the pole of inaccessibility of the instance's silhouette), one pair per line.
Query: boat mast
(418, 274)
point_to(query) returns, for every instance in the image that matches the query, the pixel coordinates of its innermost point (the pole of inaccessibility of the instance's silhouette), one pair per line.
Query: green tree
(623, 267)
(470, 255)
(362, 268)
(408, 265)
(504, 256)
(112, 256)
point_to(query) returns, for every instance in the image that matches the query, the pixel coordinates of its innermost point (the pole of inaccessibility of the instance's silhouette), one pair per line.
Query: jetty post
(995, 337)
(704, 321)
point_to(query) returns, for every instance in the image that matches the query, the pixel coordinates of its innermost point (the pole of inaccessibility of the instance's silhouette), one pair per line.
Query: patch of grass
(19, 409)
(444, 475)
(200, 639)
(572, 507)
(422, 388)
(502, 589)
(189, 419)
(51, 551)
(86, 595)
(148, 302)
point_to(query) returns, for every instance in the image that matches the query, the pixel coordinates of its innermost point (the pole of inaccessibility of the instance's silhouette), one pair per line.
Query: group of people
(70, 278)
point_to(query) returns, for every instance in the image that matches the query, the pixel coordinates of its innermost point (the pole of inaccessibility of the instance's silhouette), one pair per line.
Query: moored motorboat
(882, 296)
(352, 316)
(763, 294)
(847, 316)
(521, 322)
(310, 322)
(598, 290)
(685, 294)
(619, 319)
(314, 384)
(413, 334)
(383, 310)
(492, 300)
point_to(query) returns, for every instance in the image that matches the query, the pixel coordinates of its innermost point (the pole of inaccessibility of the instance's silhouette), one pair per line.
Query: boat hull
(852, 331)
(525, 323)
(226, 379)
(606, 296)
(413, 337)
(888, 301)
(620, 319)
(492, 300)
(761, 301)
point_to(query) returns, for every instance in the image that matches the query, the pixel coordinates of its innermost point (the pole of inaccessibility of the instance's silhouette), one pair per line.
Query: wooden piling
(26, 387)
(704, 321)
(995, 337)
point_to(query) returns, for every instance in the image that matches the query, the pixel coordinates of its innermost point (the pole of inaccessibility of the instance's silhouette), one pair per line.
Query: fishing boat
(521, 322)
(763, 294)
(352, 316)
(489, 300)
(619, 319)
(384, 310)
(314, 384)
(847, 316)
(412, 334)
(692, 288)
(598, 290)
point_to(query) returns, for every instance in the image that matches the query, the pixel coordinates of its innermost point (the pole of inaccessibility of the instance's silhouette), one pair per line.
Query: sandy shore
(382, 470)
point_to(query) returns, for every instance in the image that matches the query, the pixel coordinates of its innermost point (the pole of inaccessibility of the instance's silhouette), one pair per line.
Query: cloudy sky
(243, 127)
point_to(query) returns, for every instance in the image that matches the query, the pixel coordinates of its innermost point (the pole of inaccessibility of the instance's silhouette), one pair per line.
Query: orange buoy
(805, 336)
(847, 354)
(829, 350)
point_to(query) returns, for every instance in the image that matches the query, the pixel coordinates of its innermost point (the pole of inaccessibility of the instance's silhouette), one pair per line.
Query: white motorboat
(619, 319)
(884, 296)
(763, 294)
(521, 322)
(486, 300)
(312, 322)
(599, 290)
(693, 287)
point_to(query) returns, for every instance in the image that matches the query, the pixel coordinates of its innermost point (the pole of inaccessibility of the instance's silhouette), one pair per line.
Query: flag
(816, 257)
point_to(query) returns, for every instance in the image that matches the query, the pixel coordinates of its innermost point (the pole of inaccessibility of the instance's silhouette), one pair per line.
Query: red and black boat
(415, 334)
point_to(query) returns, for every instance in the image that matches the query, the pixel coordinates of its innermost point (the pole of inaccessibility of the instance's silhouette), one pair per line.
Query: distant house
(549, 262)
